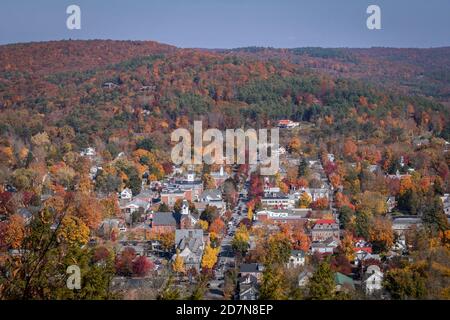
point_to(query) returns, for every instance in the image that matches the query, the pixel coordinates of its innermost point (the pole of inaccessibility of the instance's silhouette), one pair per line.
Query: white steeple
(185, 208)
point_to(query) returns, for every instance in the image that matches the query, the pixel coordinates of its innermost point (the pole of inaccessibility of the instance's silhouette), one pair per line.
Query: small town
(225, 232)
(217, 158)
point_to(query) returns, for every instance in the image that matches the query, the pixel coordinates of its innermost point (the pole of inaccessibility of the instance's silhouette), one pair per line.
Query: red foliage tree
(100, 254)
(142, 266)
(320, 204)
(124, 262)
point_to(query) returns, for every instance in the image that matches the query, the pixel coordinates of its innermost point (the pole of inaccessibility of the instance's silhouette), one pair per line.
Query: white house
(297, 259)
(374, 279)
(287, 124)
(330, 157)
(126, 194)
(446, 203)
(88, 152)
(327, 246)
(303, 278)
(276, 199)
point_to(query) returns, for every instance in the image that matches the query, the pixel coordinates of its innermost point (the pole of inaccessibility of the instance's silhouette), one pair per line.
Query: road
(226, 255)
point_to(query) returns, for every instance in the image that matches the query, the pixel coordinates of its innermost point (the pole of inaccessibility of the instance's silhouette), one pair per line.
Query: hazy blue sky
(232, 23)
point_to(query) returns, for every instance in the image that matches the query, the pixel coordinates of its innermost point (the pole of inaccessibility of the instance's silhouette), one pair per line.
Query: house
(248, 288)
(391, 203)
(361, 247)
(324, 247)
(270, 189)
(296, 259)
(148, 88)
(109, 85)
(133, 206)
(303, 277)
(170, 196)
(361, 252)
(373, 279)
(330, 157)
(26, 214)
(191, 186)
(402, 224)
(291, 215)
(212, 198)
(400, 244)
(107, 225)
(420, 141)
(324, 229)
(317, 193)
(397, 175)
(137, 204)
(276, 200)
(374, 168)
(190, 245)
(187, 219)
(163, 222)
(9, 188)
(343, 282)
(363, 256)
(220, 177)
(287, 124)
(126, 194)
(446, 203)
(93, 171)
(88, 152)
(253, 269)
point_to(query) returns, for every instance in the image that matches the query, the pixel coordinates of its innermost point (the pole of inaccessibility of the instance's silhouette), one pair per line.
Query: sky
(232, 23)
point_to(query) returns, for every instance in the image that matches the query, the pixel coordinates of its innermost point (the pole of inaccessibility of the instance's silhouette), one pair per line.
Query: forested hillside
(159, 87)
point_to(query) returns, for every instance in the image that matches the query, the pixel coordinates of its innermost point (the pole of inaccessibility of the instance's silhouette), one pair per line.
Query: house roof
(328, 243)
(342, 279)
(189, 238)
(248, 290)
(325, 221)
(372, 268)
(247, 279)
(172, 192)
(211, 195)
(305, 274)
(275, 195)
(295, 253)
(139, 203)
(365, 249)
(164, 219)
(250, 267)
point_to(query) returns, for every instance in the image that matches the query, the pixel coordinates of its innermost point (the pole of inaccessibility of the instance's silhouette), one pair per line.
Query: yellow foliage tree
(305, 200)
(203, 224)
(73, 231)
(381, 232)
(250, 213)
(178, 263)
(85, 185)
(15, 232)
(209, 257)
(294, 145)
(347, 246)
(242, 234)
